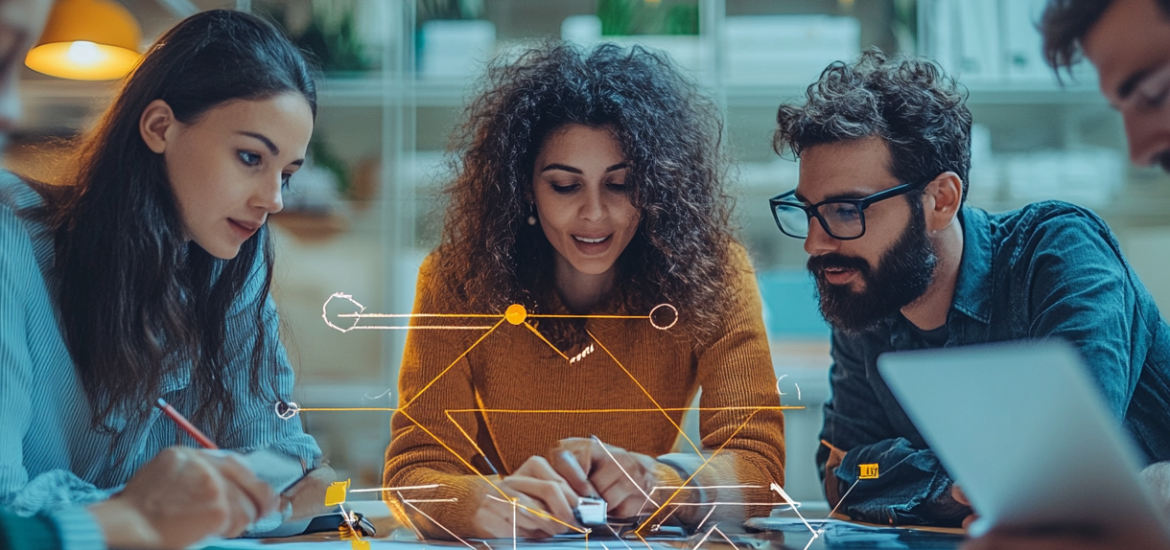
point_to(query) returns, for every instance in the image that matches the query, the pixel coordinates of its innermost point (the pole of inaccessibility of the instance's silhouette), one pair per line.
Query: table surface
(910, 539)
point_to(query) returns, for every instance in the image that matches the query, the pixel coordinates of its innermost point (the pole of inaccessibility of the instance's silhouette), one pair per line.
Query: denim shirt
(1048, 270)
(51, 457)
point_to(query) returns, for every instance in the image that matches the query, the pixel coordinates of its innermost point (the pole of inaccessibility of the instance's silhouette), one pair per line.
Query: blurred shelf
(1023, 93)
(59, 92)
(394, 90)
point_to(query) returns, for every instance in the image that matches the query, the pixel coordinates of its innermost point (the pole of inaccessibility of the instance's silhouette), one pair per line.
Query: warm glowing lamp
(87, 40)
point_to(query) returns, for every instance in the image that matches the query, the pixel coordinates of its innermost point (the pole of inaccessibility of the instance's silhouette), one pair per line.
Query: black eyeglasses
(842, 219)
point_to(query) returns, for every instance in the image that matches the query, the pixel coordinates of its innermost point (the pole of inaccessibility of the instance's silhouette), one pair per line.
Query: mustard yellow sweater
(450, 397)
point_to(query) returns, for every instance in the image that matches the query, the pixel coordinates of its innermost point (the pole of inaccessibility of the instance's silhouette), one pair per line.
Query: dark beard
(902, 276)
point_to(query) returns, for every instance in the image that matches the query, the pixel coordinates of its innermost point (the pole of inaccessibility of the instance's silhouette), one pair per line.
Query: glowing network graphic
(661, 317)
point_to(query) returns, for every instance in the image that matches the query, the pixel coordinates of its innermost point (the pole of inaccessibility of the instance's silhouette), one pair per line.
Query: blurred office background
(367, 209)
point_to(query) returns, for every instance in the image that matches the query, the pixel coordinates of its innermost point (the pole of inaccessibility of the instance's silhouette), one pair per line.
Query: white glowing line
(778, 385)
(619, 465)
(725, 538)
(846, 495)
(795, 505)
(380, 489)
(416, 509)
(349, 522)
(409, 522)
(379, 396)
(401, 315)
(696, 487)
(705, 518)
(704, 539)
(728, 503)
(432, 500)
(619, 537)
(418, 328)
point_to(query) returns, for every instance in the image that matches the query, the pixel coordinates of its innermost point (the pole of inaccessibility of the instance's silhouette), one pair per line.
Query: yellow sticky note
(335, 493)
(359, 544)
(869, 471)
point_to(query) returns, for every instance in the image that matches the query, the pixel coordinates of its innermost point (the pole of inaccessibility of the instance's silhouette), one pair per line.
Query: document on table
(383, 544)
(793, 525)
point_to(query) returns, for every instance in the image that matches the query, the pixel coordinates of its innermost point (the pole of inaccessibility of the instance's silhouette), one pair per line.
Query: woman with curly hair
(588, 190)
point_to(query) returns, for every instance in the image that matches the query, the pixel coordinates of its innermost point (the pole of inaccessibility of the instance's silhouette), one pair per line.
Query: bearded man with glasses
(901, 263)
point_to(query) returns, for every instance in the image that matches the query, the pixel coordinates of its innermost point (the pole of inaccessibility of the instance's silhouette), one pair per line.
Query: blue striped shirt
(50, 457)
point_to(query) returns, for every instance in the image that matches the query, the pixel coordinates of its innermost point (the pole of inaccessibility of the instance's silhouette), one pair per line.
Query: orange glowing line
(452, 365)
(550, 316)
(595, 411)
(697, 470)
(645, 391)
(658, 408)
(481, 476)
(545, 340)
(335, 409)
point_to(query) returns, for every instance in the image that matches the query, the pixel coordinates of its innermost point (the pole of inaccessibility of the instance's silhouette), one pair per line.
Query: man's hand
(623, 478)
(1157, 477)
(182, 496)
(957, 494)
(536, 486)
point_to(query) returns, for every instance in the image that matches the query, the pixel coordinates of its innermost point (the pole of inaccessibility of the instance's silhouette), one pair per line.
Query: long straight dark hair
(136, 298)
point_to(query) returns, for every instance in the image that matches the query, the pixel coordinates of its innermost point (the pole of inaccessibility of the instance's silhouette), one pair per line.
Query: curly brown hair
(671, 137)
(908, 102)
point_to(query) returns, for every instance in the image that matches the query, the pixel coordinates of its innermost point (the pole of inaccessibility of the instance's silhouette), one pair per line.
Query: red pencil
(184, 424)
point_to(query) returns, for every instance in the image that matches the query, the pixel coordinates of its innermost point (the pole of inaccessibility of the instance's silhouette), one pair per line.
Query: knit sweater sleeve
(427, 447)
(742, 445)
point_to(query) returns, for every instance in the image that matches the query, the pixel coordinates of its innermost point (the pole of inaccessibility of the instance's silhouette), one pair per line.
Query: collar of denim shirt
(973, 289)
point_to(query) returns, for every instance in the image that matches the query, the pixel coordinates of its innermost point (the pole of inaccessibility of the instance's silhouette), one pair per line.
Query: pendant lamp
(87, 40)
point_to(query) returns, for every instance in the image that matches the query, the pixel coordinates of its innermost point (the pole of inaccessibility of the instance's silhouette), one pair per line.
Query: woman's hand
(623, 478)
(182, 496)
(537, 487)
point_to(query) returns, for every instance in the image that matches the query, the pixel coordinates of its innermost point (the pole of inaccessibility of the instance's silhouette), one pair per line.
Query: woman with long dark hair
(589, 190)
(146, 274)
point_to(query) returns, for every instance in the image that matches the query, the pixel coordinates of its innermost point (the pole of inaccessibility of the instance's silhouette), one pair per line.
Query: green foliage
(329, 34)
(448, 9)
(630, 17)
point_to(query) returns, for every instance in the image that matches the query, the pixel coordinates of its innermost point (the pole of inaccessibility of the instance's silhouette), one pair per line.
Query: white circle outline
(291, 409)
(667, 327)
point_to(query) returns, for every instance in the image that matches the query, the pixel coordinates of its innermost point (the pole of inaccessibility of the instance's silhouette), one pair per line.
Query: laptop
(1026, 434)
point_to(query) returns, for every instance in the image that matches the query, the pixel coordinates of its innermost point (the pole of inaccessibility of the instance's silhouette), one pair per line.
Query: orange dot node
(515, 314)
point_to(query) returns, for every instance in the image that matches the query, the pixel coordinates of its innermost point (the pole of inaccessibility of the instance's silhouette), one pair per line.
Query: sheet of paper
(382, 544)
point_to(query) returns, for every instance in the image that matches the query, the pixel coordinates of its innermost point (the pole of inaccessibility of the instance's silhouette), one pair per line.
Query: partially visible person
(145, 273)
(589, 182)
(900, 264)
(1128, 42)
(182, 495)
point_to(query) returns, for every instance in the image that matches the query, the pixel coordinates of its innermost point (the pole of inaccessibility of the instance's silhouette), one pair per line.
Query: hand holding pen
(302, 498)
